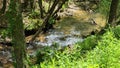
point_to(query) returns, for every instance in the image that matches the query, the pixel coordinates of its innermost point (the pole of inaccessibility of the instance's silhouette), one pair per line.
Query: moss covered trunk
(17, 32)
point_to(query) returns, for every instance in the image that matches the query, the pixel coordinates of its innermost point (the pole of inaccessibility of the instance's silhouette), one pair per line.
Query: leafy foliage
(117, 31)
(34, 21)
(5, 33)
(106, 54)
(34, 14)
(34, 24)
(92, 40)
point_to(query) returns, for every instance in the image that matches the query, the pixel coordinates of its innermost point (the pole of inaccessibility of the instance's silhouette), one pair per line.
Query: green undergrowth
(98, 51)
(33, 21)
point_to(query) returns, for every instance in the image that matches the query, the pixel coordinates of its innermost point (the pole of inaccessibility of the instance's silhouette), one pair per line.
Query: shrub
(116, 31)
(106, 54)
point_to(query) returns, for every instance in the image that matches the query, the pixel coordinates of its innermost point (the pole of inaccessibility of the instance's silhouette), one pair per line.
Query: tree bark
(4, 7)
(25, 4)
(50, 3)
(59, 7)
(53, 6)
(113, 12)
(17, 32)
(41, 7)
(32, 4)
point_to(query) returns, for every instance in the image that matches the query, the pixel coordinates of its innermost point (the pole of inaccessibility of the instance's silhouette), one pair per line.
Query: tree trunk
(24, 5)
(113, 12)
(32, 4)
(59, 7)
(41, 7)
(17, 32)
(4, 7)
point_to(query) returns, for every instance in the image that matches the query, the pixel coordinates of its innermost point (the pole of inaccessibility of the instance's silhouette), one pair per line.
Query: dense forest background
(59, 34)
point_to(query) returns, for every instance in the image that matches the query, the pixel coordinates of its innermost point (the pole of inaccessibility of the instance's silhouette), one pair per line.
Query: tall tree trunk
(25, 4)
(32, 4)
(17, 32)
(41, 7)
(4, 7)
(113, 12)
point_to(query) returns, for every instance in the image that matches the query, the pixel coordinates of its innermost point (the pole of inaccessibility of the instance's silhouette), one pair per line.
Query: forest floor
(73, 15)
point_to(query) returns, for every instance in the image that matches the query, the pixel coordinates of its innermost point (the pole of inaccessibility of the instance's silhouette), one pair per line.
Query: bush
(106, 54)
(89, 43)
(116, 31)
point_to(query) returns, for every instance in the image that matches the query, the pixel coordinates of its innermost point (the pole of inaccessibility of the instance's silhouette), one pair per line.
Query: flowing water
(60, 37)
